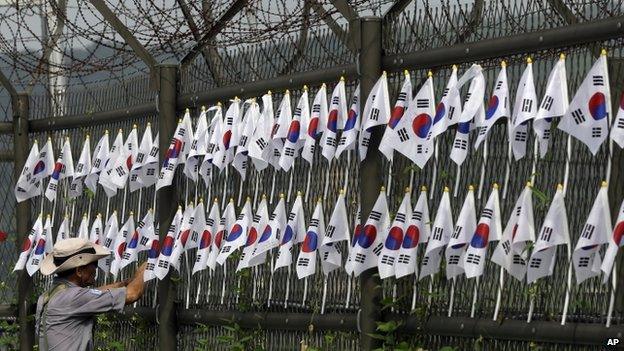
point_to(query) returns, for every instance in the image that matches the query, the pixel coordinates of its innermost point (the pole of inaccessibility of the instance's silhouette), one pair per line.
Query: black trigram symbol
(506, 247)
(473, 259)
(499, 84)
(419, 149)
(35, 261)
(262, 144)
(335, 100)
(343, 140)
(222, 221)
(521, 136)
(404, 259)
(289, 151)
(377, 249)
(588, 231)
(243, 141)
(226, 249)
(445, 92)
(297, 112)
(456, 232)
(80, 167)
(154, 151)
(535, 262)
(453, 260)
(400, 217)
(518, 210)
(276, 153)
(547, 134)
(487, 213)
(403, 136)
(140, 157)
(375, 215)
(451, 112)
(120, 171)
(329, 233)
(461, 144)
(584, 261)
(150, 265)
(417, 216)
(596, 132)
(359, 258)
(291, 216)
(144, 241)
(126, 256)
(483, 130)
(107, 242)
(547, 102)
(402, 97)
(314, 222)
(425, 261)
(467, 97)
(518, 260)
(374, 114)
(240, 216)
(303, 262)
(422, 103)
(546, 234)
(97, 163)
(527, 105)
(387, 260)
(316, 108)
(163, 264)
(598, 80)
(578, 116)
(365, 141)
(437, 233)
(330, 141)
(52, 186)
(272, 216)
(133, 178)
(256, 218)
(209, 222)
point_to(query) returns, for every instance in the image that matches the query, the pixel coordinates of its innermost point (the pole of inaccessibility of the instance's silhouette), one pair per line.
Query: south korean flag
(449, 108)
(365, 252)
(294, 233)
(394, 238)
(238, 233)
(488, 229)
(294, 138)
(497, 107)
(316, 124)
(616, 241)
(83, 167)
(525, 109)
(260, 149)
(376, 112)
(207, 236)
(465, 226)
(440, 236)
(417, 232)
(587, 117)
(554, 232)
(306, 262)
(386, 146)
(241, 158)
(337, 116)
(198, 147)
(595, 233)
(338, 227)
(617, 130)
(260, 220)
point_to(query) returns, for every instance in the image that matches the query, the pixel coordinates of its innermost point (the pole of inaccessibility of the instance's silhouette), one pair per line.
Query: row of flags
(391, 246)
(265, 137)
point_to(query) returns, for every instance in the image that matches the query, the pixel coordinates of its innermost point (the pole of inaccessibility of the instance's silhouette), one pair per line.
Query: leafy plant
(9, 334)
(238, 339)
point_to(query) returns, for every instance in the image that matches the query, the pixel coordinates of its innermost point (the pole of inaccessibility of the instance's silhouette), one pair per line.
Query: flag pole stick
(238, 288)
(612, 299)
(308, 176)
(305, 291)
(430, 290)
(273, 185)
(501, 281)
(327, 180)
(474, 298)
(240, 190)
(324, 300)
(414, 285)
(198, 292)
(270, 295)
(507, 170)
(254, 288)
(188, 276)
(209, 285)
(411, 181)
(349, 283)
(389, 180)
(434, 176)
(482, 177)
(290, 181)
(394, 294)
(223, 285)
(534, 163)
(452, 298)
(457, 177)
(531, 308)
(346, 180)
(138, 212)
(287, 295)
(566, 302)
(566, 172)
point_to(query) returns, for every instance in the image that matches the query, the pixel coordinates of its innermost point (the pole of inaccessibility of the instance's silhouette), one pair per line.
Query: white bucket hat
(72, 253)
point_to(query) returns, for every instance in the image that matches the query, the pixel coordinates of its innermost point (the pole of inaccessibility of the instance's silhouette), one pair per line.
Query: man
(65, 313)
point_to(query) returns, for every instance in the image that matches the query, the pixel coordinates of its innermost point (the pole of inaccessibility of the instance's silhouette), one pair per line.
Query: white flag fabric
(241, 158)
(199, 145)
(294, 233)
(554, 232)
(316, 124)
(465, 226)
(183, 236)
(440, 235)
(449, 108)
(367, 249)
(96, 234)
(497, 107)
(126, 159)
(43, 167)
(106, 175)
(119, 247)
(272, 232)
(172, 158)
(226, 222)
(28, 244)
(148, 173)
(418, 231)
(153, 252)
(617, 130)
(376, 112)
(198, 225)
(518, 230)
(260, 220)
(351, 128)
(338, 227)
(259, 150)
(214, 133)
(615, 242)
(488, 229)
(386, 146)
(306, 262)
(100, 156)
(394, 238)
(412, 136)
(331, 258)
(459, 151)
(23, 190)
(296, 130)
(237, 235)
(110, 233)
(63, 168)
(524, 110)
(82, 169)
(140, 161)
(188, 136)
(554, 104)
(83, 229)
(357, 233)
(227, 138)
(595, 233)
(43, 246)
(139, 240)
(280, 129)
(587, 117)
(208, 235)
(476, 93)
(163, 263)
(337, 116)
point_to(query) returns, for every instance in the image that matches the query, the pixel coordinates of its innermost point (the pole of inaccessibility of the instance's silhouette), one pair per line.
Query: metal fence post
(369, 61)
(23, 223)
(167, 199)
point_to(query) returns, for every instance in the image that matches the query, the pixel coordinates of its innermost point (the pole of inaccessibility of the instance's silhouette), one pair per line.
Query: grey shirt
(70, 315)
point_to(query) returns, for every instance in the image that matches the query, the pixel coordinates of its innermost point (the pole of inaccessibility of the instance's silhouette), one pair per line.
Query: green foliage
(236, 338)
(9, 334)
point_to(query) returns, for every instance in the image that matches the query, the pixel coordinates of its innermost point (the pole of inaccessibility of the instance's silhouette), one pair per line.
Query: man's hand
(136, 286)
